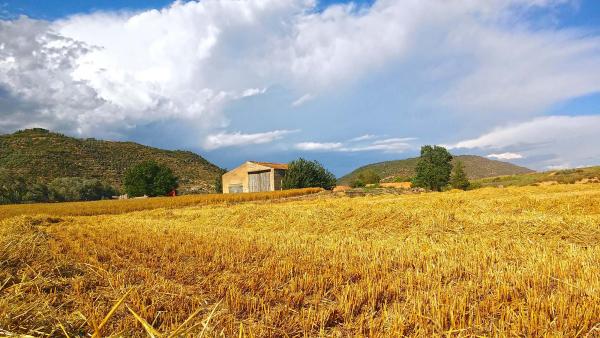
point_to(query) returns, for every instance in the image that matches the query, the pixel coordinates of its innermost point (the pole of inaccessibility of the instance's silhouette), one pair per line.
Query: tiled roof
(272, 165)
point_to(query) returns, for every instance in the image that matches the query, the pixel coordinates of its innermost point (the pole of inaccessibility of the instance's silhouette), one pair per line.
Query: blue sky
(346, 83)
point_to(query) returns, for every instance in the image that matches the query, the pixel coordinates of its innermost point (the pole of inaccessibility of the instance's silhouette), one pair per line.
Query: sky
(344, 82)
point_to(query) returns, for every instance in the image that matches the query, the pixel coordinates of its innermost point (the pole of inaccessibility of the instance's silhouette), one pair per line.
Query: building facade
(254, 177)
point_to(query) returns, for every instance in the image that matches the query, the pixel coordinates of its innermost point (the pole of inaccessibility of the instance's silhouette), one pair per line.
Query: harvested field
(518, 261)
(124, 206)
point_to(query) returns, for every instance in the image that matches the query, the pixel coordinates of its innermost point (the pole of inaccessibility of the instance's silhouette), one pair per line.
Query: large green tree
(149, 178)
(302, 173)
(459, 178)
(433, 168)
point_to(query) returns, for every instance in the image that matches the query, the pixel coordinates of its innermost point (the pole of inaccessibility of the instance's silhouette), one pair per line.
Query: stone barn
(254, 177)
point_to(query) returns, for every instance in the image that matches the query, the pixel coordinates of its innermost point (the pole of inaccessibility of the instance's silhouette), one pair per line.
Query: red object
(173, 193)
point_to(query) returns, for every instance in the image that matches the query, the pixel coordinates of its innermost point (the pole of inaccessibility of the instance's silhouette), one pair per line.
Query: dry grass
(124, 206)
(492, 262)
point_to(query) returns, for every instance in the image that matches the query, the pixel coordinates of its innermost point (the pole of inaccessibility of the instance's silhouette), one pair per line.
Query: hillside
(566, 176)
(475, 167)
(38, 154)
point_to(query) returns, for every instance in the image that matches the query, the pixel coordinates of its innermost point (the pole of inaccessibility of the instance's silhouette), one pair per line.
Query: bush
(69, 189)
(302, 173)
(357, 183)
(369, 177)
(37, 192)
(12, 188)
(149, 178)
(433, 169)
(400, 179)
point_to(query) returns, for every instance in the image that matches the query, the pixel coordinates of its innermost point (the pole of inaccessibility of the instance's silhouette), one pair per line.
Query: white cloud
(318, 146)
(223, 139)
(505, 156)
(551, 141)
(112, 73)
(390, 145)
(302, 100)
(362, 138)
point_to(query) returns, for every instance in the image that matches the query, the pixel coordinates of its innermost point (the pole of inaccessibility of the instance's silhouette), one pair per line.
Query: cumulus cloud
(551, 141)
(505, 156)
(224, 139)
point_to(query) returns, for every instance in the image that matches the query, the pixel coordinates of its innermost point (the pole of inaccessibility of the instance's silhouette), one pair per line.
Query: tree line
(16, 189)
(434, 171)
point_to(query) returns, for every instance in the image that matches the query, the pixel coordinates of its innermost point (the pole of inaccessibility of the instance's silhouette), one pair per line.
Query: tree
(433, 168)
(149, 178)
(459, 179)
(302, 173)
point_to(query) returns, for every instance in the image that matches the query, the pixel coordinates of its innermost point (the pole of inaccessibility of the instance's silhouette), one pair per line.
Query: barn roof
(272, 165)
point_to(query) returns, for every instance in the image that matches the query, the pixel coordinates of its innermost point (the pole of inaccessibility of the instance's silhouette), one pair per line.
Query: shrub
(400, 179)
(357, 183)
(68, 189)
(302, 173)
(149, 178)
(433, 168)
(12, 188)
(369, 177)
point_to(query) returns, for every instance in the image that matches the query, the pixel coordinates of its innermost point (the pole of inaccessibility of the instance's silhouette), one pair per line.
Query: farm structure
(254, 177)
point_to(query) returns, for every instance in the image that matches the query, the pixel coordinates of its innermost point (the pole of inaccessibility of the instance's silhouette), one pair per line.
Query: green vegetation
(38, 155)
(369, 177)
(568, 176)
(364, 178)
(302, 173)
(357, 183)
(404, 170)
(69, 189)
(433, 169)
(219, 182)
(150, 179)
(459, 179)
(16, 189)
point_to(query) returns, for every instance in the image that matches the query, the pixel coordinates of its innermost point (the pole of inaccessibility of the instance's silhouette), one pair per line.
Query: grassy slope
(475, 167)
(519, 261)
(567, 176)
(42, 155)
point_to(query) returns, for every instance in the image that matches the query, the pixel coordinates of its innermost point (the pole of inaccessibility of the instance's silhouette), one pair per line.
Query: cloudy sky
(346, 83)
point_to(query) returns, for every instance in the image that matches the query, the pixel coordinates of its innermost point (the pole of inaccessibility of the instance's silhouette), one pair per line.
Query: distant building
(254, 177)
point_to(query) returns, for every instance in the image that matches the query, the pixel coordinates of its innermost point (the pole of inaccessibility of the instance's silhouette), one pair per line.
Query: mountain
(38, 154)
(475, 167)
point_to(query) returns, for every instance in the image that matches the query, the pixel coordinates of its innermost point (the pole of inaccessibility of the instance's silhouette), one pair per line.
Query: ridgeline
(40, 155)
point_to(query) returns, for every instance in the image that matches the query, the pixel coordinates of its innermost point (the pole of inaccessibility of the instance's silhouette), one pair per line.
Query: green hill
(37, 154)
(475, 167)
